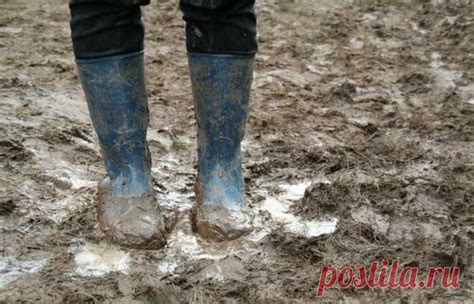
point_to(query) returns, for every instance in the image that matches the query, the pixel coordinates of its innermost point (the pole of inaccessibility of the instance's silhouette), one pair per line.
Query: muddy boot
(221, 88)
(115, 91)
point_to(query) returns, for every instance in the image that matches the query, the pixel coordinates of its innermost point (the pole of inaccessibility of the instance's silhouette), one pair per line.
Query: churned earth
(359, 147)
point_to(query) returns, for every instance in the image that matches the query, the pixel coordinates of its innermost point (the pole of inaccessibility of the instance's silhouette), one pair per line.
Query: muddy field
(359, 148)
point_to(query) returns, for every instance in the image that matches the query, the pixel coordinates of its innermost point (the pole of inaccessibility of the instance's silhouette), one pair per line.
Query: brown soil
(375, 99)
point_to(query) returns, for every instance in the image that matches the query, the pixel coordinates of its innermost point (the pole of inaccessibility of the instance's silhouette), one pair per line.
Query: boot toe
(221, 223)
(135, 222)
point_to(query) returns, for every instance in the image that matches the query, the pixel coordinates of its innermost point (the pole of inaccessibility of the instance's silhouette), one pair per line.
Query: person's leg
(221, 44)
(107, 39)
(220, 26)
(101, 29)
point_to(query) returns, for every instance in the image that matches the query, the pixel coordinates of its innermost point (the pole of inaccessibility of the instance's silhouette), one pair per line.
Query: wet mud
(358, 148)
(135, 222)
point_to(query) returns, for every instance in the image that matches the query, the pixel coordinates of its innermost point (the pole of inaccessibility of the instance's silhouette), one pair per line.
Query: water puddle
(279, 208)
(12, 269)
(183, 245)
(97, 260)
(11, 30)
(444, 78)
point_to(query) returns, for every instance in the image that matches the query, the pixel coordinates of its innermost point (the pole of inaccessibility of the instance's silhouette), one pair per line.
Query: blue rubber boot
(116, 96)
(221, 89)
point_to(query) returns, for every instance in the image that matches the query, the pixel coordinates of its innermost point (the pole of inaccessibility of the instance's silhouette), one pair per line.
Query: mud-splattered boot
(115, 91)
(221, 88)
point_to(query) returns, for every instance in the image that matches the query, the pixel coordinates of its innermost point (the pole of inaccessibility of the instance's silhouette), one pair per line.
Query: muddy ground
(359, 148)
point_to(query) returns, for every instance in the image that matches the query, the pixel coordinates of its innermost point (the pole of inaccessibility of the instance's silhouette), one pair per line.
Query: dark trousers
(103, 28)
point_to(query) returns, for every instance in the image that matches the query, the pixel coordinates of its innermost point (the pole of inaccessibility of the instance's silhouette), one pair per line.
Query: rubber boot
(116, 96)
(221, 88)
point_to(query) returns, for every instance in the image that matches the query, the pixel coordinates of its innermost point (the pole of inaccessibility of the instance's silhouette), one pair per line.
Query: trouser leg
(108, 40)
(220, 26)
(101, 28)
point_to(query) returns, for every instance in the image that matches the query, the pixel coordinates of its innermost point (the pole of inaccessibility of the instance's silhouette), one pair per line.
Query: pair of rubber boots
(128, 212)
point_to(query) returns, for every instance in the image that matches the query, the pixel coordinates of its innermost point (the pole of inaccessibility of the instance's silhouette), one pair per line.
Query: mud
(135, 222)
(219, 222)
(358, 147)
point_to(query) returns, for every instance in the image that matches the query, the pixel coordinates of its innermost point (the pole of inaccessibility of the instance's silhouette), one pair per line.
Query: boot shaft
(221, 90)
(116, 97)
